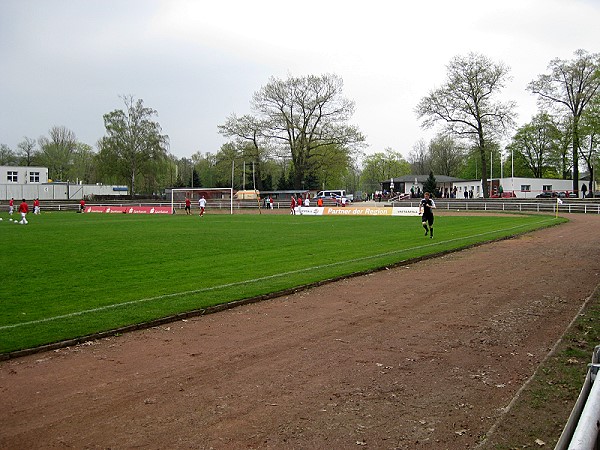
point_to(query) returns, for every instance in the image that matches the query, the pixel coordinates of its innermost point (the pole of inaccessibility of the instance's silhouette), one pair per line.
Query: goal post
(214, 197)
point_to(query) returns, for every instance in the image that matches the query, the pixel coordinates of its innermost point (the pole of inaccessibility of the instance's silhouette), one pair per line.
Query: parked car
(509, 194)
(545, 194)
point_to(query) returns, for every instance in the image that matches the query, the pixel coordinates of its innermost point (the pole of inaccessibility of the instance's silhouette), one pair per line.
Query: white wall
(23, 174)
(515, 184)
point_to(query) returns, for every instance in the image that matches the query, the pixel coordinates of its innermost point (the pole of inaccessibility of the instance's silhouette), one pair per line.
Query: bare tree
(27, 151)
(466, 104)
(446, 155)
(570, 85)
(419, 158)
(590, 148)
(304, 115)
(7, 156)
(57, 151)
(250, 141)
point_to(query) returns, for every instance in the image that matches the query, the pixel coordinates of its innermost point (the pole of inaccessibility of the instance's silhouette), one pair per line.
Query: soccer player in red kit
(11, 206)
(23, 209)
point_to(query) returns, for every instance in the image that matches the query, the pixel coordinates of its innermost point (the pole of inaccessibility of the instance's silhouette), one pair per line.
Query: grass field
(67, 275)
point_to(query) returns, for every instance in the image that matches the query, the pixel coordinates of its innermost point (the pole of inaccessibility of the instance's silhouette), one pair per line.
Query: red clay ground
(419, 357)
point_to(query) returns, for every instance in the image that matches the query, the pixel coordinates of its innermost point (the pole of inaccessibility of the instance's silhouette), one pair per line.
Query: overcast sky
(67, 62)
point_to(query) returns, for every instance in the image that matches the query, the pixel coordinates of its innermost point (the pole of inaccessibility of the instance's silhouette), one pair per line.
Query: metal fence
(587, 206)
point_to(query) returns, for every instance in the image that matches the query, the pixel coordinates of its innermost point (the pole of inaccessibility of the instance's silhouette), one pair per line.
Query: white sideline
(254, 280)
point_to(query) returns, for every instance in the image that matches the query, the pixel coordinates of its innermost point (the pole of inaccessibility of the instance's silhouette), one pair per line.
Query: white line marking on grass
(254, 280)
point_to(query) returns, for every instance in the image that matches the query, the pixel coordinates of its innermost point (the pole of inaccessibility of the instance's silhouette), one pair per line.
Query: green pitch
(67, 275)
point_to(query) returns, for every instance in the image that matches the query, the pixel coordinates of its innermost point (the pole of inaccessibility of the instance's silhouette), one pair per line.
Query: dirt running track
(418, 357)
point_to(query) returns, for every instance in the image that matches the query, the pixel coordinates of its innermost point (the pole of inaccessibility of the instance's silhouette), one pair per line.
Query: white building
(521, 187)
(30, 182)
(23, 174)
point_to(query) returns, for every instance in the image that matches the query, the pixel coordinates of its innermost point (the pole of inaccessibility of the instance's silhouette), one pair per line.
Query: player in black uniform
(426, 208)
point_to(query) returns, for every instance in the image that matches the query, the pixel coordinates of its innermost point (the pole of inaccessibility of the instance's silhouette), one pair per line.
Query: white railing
(591, 206)
(581, 430)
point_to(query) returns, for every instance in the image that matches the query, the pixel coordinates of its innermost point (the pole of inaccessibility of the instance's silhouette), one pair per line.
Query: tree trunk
(576, 155)
(132, 184)
(484, 172)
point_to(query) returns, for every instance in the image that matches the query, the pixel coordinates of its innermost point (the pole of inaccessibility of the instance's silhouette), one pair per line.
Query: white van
(336, 194)
(333, 193)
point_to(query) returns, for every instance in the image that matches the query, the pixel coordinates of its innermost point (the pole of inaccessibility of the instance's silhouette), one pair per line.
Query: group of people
(23, 209)
(201, 206)
(268, 202)
(426, 207)
(299, 202)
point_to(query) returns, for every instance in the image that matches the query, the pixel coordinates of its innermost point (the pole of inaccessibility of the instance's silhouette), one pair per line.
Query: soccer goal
(221, 198)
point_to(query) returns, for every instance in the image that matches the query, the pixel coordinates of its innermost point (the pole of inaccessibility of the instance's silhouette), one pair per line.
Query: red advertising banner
(116, 209)
(129, 209)
(149, 210)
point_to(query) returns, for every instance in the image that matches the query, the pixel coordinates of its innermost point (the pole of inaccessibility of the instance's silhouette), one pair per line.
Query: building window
(12, 177)
(525, 187)
(547, 187)
(34, 177)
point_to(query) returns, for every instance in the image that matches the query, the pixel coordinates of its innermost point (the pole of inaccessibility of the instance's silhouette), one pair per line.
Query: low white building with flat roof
(31, 182)
(23, 175)
(520, 187)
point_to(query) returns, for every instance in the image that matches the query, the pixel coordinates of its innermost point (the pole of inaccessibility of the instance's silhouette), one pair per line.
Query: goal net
(216, 198)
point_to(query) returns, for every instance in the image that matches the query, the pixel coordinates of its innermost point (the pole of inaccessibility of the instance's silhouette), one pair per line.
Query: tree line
(299, 136)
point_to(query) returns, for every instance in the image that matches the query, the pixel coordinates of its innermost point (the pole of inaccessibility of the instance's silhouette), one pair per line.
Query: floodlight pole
(491, 172)
(512, 168)
(232, 173)
(254, 188)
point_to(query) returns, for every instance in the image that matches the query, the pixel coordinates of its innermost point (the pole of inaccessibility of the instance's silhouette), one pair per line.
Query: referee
(426, 208)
